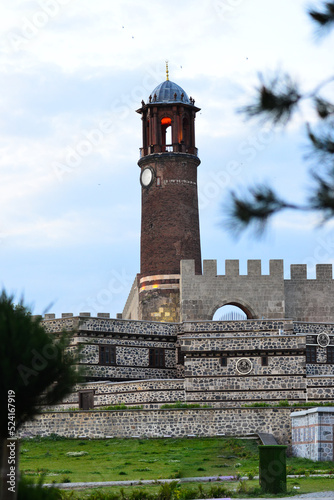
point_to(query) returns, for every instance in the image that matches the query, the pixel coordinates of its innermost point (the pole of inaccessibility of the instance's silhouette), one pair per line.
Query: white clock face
(146, 177)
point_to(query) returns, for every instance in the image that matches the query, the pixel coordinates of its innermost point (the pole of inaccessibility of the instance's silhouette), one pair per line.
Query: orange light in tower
(155, 286)
(166, 121)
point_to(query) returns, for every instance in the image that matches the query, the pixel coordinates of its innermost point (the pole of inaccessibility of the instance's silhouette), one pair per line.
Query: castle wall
(130, 344)
(261, 361)
(159, 423)
(319, 371)
(310, 299)
(151, 393)
(258, 295)
(219, 363)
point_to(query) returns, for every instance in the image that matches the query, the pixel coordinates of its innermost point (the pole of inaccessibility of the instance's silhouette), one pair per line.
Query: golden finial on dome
(167, 72)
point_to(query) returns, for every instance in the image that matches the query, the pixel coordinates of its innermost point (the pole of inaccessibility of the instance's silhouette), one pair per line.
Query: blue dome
(165, 92)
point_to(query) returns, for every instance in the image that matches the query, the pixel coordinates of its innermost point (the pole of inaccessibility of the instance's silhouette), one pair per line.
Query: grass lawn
(70, 460)
(122, 459)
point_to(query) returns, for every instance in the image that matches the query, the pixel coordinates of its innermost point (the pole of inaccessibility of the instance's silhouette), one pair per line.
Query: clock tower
(169, 219)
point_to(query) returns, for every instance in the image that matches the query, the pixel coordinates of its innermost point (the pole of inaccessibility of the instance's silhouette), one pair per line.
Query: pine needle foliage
(36, 368)
(276, 101)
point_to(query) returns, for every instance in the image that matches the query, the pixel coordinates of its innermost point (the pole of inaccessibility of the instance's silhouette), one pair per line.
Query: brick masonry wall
(163, 242)
(159, 423)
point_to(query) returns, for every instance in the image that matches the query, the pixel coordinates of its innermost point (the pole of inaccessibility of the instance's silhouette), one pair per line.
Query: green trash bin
(272, 468)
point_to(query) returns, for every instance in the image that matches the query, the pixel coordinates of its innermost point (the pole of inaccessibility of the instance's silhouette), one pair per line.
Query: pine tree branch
(322, 143)
(322, 198)
(324, 19)
(254, 209)
(275, 100)
(325, 109)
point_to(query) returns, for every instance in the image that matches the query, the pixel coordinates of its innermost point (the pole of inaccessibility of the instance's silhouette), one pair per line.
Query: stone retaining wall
(160, 423)
(150, 393)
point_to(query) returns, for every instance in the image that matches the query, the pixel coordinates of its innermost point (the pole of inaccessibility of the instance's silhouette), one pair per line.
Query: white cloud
(68, 66)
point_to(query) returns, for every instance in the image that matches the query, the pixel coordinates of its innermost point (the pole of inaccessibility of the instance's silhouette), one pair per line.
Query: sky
(73, 74)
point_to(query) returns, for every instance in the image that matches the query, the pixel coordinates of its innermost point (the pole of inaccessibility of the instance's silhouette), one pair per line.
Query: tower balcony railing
(168, 148)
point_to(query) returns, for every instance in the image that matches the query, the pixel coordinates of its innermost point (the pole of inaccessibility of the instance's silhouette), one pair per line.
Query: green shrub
(217, 491)
(187, 493)
(120, 407)
(166, 491)
(180, 404)
(258, 405)
(140, 495)
(283, 402)
(28, 490)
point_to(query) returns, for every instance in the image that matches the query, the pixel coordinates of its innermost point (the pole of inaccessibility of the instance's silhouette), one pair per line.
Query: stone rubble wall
(244, 398)
(85, 323)
(128, 352)
(309, 328)
(249, 341)
(147, 393)
(127, 372)
(203, 344)
(205, 367)
(160, 423)
(265, 326)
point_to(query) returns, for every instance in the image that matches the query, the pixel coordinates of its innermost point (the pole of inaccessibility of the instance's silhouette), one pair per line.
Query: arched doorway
(232, 311)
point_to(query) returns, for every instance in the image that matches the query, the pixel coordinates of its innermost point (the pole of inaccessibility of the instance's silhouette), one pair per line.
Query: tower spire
(167, 72)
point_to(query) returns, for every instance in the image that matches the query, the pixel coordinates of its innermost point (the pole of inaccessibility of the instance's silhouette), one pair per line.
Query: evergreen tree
(36, 368)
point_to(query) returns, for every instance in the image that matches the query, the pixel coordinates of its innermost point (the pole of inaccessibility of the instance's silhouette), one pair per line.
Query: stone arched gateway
(237, 302)
(259, 295)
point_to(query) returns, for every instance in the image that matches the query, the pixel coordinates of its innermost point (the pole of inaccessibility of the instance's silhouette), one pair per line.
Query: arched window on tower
(166, 134)
(186, 131)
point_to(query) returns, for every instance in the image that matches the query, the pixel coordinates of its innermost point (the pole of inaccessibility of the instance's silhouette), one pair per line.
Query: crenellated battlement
(49, 316)
(232, 268)
(259, 295)
(323, 272)
(254, 269)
